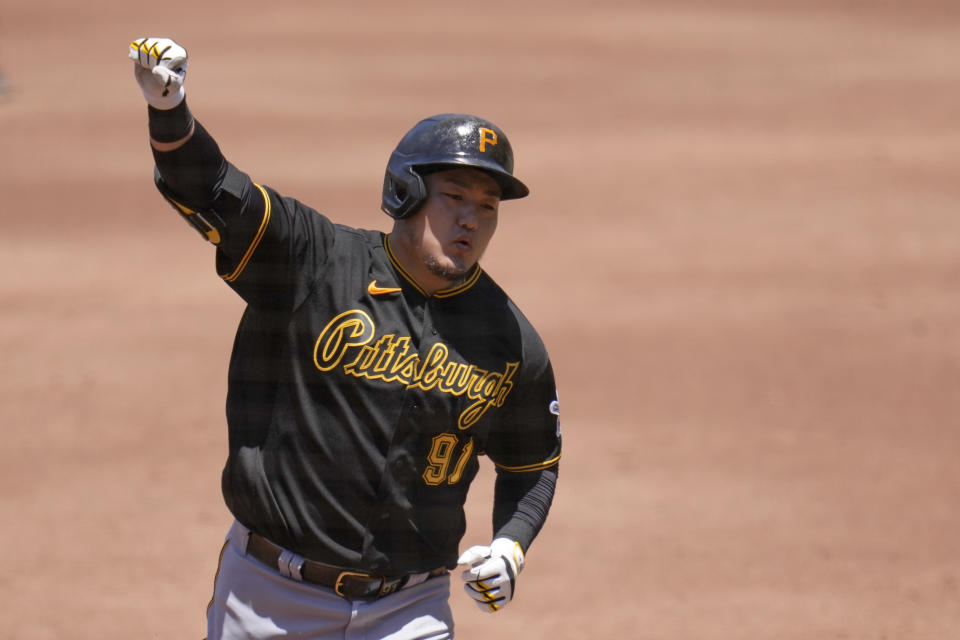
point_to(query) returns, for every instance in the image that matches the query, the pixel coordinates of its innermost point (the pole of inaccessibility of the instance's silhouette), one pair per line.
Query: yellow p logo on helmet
(487, 135)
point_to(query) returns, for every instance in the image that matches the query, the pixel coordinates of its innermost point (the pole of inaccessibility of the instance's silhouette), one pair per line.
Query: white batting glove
(160, 69)
(491, 579)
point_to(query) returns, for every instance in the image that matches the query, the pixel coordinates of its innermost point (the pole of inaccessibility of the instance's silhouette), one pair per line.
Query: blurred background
(742, 249)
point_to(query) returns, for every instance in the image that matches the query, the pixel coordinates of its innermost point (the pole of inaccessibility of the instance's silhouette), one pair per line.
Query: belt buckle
(338, 585)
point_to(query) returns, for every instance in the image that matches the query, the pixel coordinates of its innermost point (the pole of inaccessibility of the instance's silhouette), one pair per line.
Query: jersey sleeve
(527, 436)
(277, 247)
(268, 247)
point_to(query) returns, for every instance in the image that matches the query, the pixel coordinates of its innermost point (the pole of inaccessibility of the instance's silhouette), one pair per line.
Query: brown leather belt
(353, 585)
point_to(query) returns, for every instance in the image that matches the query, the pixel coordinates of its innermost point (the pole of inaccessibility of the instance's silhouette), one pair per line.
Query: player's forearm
(187, 157)
(522, 502)
(170, 129)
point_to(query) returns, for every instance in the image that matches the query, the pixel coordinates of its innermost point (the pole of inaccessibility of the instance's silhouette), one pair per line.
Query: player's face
(452, 229)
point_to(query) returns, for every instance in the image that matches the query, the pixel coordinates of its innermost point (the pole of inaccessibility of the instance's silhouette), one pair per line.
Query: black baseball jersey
(358, 405)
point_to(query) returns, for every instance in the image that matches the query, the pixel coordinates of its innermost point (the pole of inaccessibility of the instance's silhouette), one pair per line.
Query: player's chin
(451, 268)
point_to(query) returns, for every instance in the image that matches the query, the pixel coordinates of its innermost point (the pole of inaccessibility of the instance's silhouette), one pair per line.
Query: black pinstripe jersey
(357, 404)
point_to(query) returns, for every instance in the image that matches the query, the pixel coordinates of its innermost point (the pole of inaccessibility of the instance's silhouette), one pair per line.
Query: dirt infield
(742, 249)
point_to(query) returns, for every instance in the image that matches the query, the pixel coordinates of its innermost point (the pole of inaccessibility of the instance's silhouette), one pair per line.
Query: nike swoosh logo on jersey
(374, 290)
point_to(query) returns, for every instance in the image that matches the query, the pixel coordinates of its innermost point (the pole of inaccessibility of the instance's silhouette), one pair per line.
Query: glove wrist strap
(170, 125)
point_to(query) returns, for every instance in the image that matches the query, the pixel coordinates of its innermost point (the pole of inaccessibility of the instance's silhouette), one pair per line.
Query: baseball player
(369, 372)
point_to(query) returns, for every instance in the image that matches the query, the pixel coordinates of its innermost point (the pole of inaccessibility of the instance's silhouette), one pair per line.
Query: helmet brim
(510, 187)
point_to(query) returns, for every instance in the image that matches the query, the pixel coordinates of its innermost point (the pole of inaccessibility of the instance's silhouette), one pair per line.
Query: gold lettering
(472, 414)
(349, 329)
(439, 458)
(487, 398)
(487, 136)
(368, 356)
(457, 472)
(455, 378)
(406, 367)
(431, 367)
(390, 359)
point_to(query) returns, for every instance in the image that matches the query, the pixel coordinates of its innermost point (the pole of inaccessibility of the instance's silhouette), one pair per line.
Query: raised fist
(160, 67)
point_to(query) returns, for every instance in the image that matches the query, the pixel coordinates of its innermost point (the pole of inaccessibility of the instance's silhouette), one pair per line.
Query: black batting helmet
(450, 140)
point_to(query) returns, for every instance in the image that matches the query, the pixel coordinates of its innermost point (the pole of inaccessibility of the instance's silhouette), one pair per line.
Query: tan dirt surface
(742, 249)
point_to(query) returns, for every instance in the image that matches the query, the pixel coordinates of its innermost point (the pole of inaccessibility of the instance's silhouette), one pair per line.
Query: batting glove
(491, 579)
(160, 67)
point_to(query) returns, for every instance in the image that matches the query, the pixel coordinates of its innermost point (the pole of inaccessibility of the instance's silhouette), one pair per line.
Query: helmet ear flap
(403, 192)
